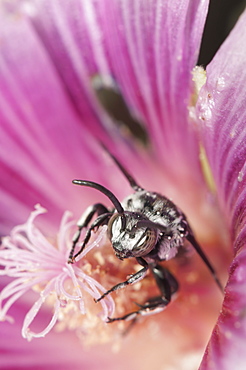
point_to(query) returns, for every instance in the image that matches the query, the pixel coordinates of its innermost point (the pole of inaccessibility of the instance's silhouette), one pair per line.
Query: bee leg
(83, 222)
(167, 285)
(203, 256)
(139, 275)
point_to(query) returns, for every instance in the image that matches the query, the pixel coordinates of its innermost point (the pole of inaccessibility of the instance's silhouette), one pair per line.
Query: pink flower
(55, 56)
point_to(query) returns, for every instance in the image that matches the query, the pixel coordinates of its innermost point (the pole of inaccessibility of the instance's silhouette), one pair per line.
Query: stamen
(38, 265)
(70, 290)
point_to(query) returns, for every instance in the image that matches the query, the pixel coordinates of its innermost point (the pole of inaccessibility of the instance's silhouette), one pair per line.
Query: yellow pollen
(199, 78)
(206, 170)
(98, 256)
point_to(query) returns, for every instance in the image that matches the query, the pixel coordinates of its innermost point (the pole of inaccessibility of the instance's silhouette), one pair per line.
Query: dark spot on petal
(114, 104)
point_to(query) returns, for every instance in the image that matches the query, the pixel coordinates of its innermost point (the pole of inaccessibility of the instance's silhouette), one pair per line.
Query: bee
(146, 226)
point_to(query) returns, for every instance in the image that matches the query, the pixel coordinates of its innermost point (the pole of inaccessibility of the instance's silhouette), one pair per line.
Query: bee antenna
(129, 177)
(108, 193)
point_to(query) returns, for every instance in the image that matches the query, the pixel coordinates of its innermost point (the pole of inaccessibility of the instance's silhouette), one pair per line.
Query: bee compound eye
(145, 243)
(115, 225)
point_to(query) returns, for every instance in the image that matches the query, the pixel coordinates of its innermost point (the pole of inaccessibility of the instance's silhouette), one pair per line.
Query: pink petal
(47, 100)
(148, 48)
(152, 66)
(221, 109)
(42, 144)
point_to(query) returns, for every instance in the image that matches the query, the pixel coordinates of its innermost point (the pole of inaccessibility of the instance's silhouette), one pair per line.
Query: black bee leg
(83, 222)
(203, 256)
(167, 285)
(132, 279)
